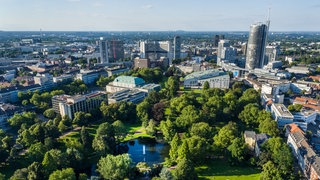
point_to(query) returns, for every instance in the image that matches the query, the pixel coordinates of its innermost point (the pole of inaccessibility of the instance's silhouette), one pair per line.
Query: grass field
(221, 170)
(133, 131)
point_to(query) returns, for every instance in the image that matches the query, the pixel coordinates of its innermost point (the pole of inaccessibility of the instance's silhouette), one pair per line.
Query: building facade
(225, 52)
(66, 105)
(103, 45)
(215, 78)
(115, 50)
(256, 46)
(176, 47)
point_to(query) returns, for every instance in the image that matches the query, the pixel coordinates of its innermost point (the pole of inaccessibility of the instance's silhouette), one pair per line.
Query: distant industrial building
(256, 46)
(68, 105)
(215, 78)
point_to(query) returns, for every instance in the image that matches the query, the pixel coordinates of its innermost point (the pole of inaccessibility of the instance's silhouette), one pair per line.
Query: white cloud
(147, 6)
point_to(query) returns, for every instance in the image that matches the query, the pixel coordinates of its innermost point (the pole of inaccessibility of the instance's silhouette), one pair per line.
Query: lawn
(133, 131)
(220, 169)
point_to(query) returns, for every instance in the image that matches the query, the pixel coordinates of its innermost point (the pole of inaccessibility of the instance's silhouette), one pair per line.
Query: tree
(49, 113)
(104, 141)
(85, 138)
(151, 128)
(172, 85)
(158, 111)
(53, 160)
(206, 85)
(194, 149)
(64, 174)
(2, 177)
(250, 114)
(295, 107)
(165, 174)
(114, 167)
(36, 151)
(202, 130)
(81, 118)
(35, 171)
(226, 135)
(270, 171)
(75, 158)
(174, 146)
(269, 126)
(168, 129)
(185, 170)
(188, 116)
(143, 112)
(238, 149)
(249, 96)
(27, 118)
(20, 174)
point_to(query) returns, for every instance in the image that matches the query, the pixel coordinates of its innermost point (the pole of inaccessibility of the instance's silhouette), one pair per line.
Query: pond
(147, 150)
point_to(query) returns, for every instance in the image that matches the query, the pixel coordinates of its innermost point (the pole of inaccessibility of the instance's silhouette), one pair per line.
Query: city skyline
(152, 15)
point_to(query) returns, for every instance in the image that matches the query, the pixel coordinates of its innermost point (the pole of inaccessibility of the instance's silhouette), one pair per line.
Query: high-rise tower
(225, 52)
(176, 47)
(103, 51)
(256, 45)
(115, 50)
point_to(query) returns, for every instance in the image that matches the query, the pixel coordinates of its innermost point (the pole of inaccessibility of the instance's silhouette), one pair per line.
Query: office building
(176, 47)
(44, 80)
(141, 62)
(272, 53)
(103, 45)
(216, 39)
(225, 52)
(68, 105)
(153, 50)
(281, 115)
(215, 78)
(115, 50)
(128, 95)
(88, 77)
(256, 46)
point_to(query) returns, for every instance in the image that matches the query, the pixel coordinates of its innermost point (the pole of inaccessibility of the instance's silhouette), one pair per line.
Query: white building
(215, 78)
(281, 115)
(88, 77)
(225, 52)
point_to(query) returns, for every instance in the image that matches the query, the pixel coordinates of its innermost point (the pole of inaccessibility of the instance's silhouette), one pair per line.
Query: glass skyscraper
(256, 45)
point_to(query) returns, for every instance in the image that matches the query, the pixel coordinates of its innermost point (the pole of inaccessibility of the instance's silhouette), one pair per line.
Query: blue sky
(153, 15)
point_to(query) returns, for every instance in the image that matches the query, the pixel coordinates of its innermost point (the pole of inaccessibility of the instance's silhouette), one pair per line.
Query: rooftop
(284, 112)
(205, 74)
(129, 80)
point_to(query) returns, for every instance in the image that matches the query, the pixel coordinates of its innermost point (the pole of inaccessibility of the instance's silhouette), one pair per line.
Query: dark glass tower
(177, 47)
(256, 45)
